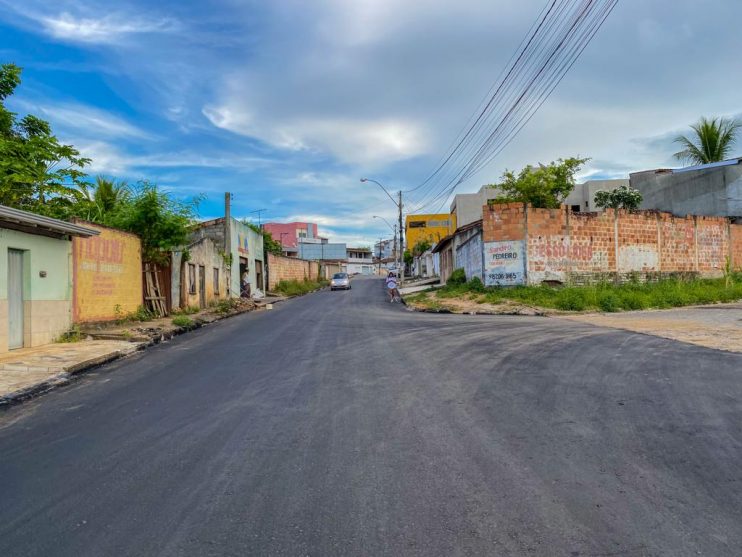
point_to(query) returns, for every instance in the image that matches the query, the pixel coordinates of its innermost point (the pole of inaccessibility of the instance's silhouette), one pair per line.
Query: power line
(554, 45)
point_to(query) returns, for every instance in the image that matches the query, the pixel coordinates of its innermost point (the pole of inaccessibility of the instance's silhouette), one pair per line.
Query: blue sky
(288, 103)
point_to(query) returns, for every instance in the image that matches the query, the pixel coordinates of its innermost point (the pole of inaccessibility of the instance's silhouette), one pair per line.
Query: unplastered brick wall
(290, 268)
(573, 248)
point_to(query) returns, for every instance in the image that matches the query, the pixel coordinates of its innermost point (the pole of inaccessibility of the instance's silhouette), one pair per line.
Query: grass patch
(141, 314)
(73, 335)
(297, 288)
(225, 306)
(183, 321)
(607, 297)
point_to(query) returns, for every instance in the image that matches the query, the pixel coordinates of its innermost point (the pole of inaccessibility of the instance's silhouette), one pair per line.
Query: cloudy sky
(287, 103)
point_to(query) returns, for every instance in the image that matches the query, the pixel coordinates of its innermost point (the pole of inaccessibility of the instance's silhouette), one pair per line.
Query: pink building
(290, 233)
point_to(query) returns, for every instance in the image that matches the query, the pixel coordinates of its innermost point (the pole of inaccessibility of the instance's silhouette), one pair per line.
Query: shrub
(73, 335)
(457, 278)
(183, 321)
(225, 306)
(571, 299)
(608, 301)
(476, 285)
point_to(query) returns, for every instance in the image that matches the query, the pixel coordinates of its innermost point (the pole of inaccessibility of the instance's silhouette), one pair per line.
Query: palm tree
(713, 141)
(103, 199)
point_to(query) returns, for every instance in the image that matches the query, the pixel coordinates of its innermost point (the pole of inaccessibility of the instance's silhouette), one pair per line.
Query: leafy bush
(476, 285)
(623, 197)
(457, 278)
(608, 301)
(73, 335)
(183, 321)
(225, 306)
(571, 299)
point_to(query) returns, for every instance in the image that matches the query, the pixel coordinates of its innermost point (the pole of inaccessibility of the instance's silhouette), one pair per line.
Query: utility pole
(401, 239)
(380, 243)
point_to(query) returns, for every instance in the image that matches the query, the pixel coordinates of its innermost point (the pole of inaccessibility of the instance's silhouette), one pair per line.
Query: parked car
(340, 281)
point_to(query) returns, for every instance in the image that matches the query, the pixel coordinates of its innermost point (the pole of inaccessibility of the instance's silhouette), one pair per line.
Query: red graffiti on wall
(103, 250)
(559, 249)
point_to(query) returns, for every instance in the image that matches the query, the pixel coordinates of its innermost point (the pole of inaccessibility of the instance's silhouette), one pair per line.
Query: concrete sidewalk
(30, 371)
(714, 326)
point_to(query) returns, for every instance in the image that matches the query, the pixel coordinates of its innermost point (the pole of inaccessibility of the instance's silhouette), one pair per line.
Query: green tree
(421, 247)
(162, 222)
(712, 141)
(101, 201)
(543, 186)
(37, 172)
(622, 197)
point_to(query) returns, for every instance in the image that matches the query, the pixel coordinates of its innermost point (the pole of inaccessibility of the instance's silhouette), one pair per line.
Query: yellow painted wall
(107, 272)
(432, 231)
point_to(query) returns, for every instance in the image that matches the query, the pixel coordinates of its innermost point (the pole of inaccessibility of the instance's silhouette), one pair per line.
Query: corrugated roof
(31, 221)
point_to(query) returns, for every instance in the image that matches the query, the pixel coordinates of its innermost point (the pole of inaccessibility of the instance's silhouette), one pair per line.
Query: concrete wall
(290, 268)
(107, 274)
(710, 191)
(469, 256)
(435, 228)
(248, 244)
(47, 306)
(467, 207)
(584, 194)
(202, 253)
(559, 245)
(322, 251)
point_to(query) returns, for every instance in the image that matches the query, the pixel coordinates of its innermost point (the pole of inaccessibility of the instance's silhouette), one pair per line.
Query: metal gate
(15, 299)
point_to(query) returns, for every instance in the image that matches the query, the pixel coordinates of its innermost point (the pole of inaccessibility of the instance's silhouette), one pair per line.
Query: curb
(70, 374)
(63, 378)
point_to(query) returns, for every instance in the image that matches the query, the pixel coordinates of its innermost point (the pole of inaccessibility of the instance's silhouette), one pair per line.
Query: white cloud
(109, 29)
(350, 140)
(77, 22)
(86, 119)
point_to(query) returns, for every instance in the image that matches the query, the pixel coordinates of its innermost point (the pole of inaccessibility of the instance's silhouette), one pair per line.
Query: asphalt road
(340, 424)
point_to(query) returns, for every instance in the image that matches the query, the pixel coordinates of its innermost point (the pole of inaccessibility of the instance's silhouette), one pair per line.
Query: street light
(399, 208)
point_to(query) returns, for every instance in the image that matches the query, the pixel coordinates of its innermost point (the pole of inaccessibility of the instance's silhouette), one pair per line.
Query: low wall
(290, 268)
(527, 245)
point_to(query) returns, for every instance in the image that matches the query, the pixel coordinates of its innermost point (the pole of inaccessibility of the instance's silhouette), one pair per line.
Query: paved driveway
(340, 424)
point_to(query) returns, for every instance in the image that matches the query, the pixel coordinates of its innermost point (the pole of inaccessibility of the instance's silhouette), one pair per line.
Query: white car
(340, 281)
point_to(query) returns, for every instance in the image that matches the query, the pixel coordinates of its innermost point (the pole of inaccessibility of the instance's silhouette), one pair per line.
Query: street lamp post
(399, 208)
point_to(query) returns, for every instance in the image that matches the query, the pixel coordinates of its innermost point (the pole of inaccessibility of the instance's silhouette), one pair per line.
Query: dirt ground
(469, 305)
(715, 326)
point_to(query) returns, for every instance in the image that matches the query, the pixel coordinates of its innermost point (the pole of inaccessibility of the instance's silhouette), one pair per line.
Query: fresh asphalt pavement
(340, 424)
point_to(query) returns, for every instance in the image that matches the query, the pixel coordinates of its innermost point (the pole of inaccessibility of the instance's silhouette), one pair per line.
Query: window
(438, 223)
(216, 280)
(191, 278)
(575, 208)
(417, 224)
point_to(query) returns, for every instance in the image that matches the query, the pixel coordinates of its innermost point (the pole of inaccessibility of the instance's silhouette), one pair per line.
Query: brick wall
(583, 247)
(735, 250)
(290, 268)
